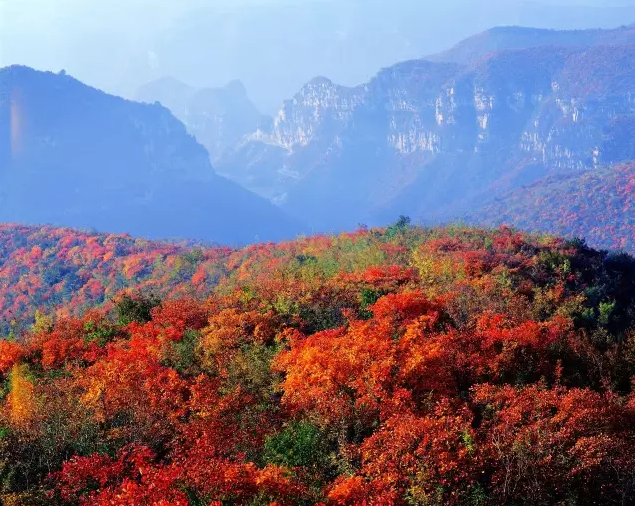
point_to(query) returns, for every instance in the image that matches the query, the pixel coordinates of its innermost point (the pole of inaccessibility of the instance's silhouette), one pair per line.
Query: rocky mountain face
(74, 156)
(217, 117)
(431, 139)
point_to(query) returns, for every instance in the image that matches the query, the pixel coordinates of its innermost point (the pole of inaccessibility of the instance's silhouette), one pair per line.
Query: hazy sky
(272, 45)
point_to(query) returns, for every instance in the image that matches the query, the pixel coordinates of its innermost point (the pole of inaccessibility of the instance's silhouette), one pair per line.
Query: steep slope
(74, 156)
(217, 117)
(470, 50)
(428, 139)
(598, 205)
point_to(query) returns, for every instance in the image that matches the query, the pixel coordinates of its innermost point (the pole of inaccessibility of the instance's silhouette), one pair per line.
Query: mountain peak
(236, 87)
(320, 81)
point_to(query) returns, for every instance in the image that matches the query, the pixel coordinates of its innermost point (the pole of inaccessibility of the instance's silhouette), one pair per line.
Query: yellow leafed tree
(21, 399)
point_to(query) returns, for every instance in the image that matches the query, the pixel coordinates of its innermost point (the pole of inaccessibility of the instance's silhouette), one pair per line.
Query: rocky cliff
(429, 138)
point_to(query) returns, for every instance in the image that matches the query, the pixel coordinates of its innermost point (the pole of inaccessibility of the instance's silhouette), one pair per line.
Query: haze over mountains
(430, 139)
(272, 46)
(217, 117)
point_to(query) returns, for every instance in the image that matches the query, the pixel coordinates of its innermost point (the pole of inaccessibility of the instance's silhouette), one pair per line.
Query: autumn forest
(396, 366)
(317, 253)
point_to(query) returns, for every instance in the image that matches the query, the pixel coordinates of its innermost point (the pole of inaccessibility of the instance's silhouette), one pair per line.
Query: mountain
(597, 205)
(169, 92)
(72, 155)
(470, 50)
(217, 117)
(431, 139)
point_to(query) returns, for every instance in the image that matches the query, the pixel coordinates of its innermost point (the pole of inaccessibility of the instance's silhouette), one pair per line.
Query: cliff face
(427, 138)
(74, 156)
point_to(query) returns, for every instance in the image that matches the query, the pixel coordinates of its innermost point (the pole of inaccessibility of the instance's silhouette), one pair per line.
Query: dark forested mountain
(430, 139)
(72, 155)
(217, 117)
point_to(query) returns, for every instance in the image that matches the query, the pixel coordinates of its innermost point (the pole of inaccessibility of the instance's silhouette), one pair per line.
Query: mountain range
(72, 155)
(217, 117)
(446, 137)
(430, 139)
(437, 138)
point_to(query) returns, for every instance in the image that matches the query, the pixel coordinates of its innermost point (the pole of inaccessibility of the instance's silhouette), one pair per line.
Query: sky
(273, 46)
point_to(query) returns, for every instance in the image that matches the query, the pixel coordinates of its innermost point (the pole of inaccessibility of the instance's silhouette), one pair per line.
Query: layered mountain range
(434, 139)
(438, 138)
(217, 117)
(72, 155)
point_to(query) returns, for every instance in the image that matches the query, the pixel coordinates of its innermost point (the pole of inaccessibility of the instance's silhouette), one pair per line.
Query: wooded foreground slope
(399, 366)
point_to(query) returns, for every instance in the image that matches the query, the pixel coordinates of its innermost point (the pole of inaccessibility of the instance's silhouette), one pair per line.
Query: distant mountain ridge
(469, 51)
(72, 155)
(429, 139)
(217, 117)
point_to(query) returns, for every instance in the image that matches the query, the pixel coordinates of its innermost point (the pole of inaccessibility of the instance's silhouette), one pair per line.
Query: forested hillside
(596, 204)
(387, 366)
(62, 270)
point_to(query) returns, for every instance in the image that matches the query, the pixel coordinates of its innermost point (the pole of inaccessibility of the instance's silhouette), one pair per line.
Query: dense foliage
(46, 269)
(597, 205)
(403, 366)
